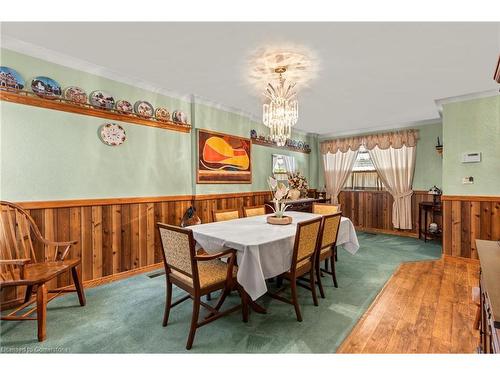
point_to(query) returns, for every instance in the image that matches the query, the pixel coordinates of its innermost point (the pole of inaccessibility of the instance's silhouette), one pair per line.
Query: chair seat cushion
(211, 272)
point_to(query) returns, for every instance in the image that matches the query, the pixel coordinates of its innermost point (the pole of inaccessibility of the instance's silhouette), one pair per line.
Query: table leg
(252, 304)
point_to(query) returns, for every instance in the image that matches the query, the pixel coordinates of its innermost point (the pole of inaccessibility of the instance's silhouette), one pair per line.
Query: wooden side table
(431, 209)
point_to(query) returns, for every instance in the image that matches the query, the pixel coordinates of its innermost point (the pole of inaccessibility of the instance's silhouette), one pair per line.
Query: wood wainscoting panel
(117, 236)
(467, 218)
(371, 210)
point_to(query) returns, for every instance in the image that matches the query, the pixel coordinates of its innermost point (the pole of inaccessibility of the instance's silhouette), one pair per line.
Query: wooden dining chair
(198, 275)
(325, 208)
(223, 215)
(19, 266)
(330, 225)
(254, 211)
(303, 262)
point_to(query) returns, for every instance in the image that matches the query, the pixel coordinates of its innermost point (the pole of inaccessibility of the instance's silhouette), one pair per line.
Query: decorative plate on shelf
(46, 87)
(162, 114)
(143, 108)
(101, 99)
(124, 106)
(112, 134)
(75, 94)
(10, 78)
(179, 116)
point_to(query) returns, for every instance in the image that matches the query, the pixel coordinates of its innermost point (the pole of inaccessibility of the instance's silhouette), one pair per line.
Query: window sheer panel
(395, 167)
(338, 167)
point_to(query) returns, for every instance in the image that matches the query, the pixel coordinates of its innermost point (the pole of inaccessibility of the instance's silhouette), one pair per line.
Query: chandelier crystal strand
(282, 111)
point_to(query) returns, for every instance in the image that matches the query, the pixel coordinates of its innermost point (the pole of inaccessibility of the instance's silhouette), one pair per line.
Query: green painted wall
(472, 126)
(50, 155)
(428, 163)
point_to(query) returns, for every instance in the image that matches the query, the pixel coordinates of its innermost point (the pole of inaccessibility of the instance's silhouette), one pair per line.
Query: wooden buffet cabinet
(302, 205)
(489, 258)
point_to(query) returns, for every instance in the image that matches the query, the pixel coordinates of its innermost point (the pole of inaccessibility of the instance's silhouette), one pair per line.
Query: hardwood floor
(425, 307)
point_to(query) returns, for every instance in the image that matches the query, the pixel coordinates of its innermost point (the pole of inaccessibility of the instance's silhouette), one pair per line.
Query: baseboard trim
(386, 231)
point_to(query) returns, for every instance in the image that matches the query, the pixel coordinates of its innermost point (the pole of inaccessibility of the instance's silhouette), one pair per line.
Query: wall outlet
(468, 180)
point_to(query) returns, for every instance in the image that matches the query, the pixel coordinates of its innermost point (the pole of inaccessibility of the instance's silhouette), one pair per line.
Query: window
(364, 176)
(363, 161)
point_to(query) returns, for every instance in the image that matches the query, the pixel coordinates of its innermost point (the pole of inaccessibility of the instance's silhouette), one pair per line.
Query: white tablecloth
(263, 250)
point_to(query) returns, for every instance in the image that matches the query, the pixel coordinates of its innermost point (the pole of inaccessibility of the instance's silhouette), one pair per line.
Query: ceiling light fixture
(282, 110)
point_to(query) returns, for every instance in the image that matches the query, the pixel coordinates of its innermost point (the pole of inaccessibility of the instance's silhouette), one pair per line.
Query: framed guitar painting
(223, 159)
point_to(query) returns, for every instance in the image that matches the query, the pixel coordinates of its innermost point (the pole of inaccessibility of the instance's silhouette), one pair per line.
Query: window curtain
(395, 167)
(338, 167)
(393, 155)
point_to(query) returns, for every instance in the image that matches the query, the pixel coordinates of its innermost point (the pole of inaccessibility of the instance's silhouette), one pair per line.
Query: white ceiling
(372, 75)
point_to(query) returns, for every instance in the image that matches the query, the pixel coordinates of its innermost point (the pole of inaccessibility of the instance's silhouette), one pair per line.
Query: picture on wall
(223, 159)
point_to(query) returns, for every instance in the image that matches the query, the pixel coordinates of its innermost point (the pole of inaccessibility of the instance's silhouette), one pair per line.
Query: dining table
(263, 250)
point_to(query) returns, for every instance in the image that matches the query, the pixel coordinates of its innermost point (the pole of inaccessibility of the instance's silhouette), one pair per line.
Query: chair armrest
(15, 262)
(228, 252)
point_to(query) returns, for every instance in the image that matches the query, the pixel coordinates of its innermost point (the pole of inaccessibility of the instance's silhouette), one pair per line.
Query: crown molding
(464, 97)
(323, 137)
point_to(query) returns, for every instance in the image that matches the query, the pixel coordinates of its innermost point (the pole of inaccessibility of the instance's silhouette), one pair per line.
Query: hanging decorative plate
(46, 87)
(143, 108)
(179, 116)
(124, 106)
(162, 114)
(11, 79)
(101, 99)
(112, 134)
(75, 94)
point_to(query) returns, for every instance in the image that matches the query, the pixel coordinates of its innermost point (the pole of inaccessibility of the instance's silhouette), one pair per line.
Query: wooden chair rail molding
(470, 198)
(28, 98)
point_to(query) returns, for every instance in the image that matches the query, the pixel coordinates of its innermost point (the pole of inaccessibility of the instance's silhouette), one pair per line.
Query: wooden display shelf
(29, 98)
(259, 142)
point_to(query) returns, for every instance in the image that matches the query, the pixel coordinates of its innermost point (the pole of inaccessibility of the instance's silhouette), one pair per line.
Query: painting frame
(205, 175)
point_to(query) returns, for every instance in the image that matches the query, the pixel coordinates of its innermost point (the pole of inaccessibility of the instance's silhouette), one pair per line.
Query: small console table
(427, 209)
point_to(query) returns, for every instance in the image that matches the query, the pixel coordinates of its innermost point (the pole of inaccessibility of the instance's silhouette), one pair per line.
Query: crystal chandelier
(282, 111)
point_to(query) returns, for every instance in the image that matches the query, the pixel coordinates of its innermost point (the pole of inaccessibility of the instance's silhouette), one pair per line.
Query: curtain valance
(383, 140)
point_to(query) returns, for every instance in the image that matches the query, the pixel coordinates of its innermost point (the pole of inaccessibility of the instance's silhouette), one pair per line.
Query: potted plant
(279, 193)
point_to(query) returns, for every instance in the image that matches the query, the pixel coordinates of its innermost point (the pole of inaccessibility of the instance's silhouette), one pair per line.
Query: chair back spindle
(15, 239)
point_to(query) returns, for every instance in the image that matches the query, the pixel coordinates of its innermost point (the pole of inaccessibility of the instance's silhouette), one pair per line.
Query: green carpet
(126, 316)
